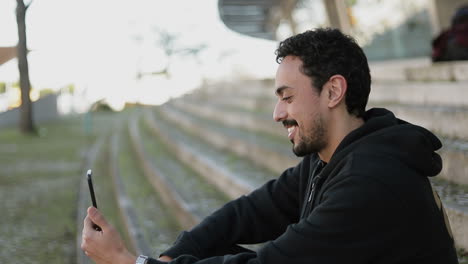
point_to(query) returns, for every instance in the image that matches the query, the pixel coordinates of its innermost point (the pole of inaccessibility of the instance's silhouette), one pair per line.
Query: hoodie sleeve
(246, 220)
(357, 221)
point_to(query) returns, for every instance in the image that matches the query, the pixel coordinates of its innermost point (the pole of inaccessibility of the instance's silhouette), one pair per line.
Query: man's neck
(338, 129)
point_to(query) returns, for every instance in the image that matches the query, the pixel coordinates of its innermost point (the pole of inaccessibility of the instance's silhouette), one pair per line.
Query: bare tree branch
(171, 46)
(27, 6)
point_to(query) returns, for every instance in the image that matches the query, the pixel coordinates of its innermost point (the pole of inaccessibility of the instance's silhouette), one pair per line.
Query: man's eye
(286, 98)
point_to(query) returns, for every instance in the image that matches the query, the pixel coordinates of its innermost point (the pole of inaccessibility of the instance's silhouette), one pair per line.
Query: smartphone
(93, 197)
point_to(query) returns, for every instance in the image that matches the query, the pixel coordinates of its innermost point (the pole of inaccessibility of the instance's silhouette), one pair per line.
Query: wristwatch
(141, 259)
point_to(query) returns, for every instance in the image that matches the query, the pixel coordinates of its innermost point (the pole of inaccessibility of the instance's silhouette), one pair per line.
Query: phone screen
(91, 188)
(93, 197)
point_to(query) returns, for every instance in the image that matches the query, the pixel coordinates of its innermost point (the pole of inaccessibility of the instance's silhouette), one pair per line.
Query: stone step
(419, 70)
(252, 121)
(201, 197)
(395, 70)
(255, 95)
(455, 199)
(242, 88)
(421, 93)
(152, 221)
(400, 70)
(264, 149)
(439, 71)
(447, 121)
(230, 173)
(454, 153)
(170, 198)
(198, 196)
(126, 206)
(232, 186)
(195, 167)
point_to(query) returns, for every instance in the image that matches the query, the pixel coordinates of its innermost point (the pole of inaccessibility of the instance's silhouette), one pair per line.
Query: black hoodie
(372, 203)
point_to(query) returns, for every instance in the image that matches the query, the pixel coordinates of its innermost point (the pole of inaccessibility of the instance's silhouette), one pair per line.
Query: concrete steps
(127, 208)
(455, 199)
(239, 118)
(170, 198)
(419, 70)
(201, 162)
(199, 197)
(146, 201)
(236, 175)
(421, 93)
(453, 71)
(264, 149)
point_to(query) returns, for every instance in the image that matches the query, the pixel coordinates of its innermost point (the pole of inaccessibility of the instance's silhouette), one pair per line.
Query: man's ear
(336, 90)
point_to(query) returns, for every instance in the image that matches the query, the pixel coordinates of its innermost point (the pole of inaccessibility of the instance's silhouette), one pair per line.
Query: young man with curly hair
(359, 195)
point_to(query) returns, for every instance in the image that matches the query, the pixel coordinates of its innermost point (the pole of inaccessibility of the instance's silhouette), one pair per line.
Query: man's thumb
(97, 217)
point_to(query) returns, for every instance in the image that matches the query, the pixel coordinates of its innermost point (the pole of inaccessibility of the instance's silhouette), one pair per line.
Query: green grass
(39, 183)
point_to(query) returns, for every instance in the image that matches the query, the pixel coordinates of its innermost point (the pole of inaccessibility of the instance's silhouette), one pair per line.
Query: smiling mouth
(291, 126)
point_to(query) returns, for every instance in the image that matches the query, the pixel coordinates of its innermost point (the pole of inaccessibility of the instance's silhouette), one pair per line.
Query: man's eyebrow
(279, 91)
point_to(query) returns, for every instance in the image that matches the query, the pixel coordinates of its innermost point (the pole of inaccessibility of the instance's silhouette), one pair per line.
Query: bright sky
(100, 45)
(94, 45)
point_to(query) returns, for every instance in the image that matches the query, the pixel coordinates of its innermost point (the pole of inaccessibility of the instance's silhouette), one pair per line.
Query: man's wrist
(142, 259)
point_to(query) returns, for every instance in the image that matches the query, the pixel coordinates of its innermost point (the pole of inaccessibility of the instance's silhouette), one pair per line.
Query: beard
(313, 140)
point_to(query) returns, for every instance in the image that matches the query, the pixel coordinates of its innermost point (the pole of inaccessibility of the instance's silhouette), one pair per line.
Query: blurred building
(6, 54)
(387, 29)
(8, 97)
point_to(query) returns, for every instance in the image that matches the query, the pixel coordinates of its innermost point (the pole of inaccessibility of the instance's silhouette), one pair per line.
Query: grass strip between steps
(201, 197)
(159, 228)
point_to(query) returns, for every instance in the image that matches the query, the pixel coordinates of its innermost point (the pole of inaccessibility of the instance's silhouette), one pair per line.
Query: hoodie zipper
(313, 187)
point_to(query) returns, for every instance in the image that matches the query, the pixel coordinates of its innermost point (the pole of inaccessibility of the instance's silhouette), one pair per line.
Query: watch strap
(142, 259)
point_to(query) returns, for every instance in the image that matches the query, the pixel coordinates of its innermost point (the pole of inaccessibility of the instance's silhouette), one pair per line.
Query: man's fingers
(88, 224)
(96, 217)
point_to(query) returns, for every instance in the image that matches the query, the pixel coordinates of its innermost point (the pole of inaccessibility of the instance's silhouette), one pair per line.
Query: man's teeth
(290, 130)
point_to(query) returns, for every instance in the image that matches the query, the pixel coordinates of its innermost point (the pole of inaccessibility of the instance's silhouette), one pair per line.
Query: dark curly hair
(325, 52)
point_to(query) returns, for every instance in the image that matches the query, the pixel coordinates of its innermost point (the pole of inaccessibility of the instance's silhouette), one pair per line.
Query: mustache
(290, 122)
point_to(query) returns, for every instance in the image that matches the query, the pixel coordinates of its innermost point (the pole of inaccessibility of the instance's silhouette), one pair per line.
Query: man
(360, 194)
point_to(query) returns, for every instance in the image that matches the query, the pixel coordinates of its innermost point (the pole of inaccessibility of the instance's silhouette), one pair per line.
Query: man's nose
(279, 112)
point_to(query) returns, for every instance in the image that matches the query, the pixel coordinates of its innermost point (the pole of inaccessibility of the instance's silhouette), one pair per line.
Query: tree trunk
(26, 114)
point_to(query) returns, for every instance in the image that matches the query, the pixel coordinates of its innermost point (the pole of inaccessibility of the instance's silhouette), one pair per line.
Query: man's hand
(106, 246)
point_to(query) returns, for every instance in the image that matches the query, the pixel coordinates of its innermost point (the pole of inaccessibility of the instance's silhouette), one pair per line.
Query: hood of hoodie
(383, 133)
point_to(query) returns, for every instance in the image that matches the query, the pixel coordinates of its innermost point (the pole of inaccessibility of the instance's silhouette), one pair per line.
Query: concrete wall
(44, 109)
